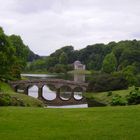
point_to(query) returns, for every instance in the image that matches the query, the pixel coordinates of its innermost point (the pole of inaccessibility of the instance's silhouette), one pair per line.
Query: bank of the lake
(104, 123)
(105, 98)
(79, 72)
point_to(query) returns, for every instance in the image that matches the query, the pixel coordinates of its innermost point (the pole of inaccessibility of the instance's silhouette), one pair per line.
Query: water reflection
(70, 106)
(48, 93)
(79, 77)
(33, 91)
(78, 93)
(65, 93)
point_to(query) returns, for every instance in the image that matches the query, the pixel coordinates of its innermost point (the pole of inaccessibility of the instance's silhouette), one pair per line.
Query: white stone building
(79, 66)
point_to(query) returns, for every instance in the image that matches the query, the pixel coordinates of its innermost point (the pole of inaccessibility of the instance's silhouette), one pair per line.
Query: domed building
(79, 66)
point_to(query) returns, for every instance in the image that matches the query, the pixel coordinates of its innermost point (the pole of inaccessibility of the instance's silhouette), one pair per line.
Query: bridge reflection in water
(53, 92)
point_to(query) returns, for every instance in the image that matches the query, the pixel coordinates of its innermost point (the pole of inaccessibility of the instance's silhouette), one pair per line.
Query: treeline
(115, 57)
(14, 55)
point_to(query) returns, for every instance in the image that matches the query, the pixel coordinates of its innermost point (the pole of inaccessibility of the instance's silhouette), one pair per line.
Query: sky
(47, 25)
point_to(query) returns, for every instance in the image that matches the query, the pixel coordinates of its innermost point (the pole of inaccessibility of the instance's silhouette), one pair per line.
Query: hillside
(9, 98)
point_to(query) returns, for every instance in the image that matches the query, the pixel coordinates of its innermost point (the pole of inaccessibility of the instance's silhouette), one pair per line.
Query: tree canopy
(13, 56)
(109, 63)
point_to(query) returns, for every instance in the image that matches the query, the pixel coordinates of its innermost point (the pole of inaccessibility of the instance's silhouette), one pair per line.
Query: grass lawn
(102, 96)
(102, 123)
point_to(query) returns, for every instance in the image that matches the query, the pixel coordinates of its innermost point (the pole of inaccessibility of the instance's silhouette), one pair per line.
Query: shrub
(129, 73)
(134, 97)
(5, 100)
(117, 100)
(107, 82)
(17, 102)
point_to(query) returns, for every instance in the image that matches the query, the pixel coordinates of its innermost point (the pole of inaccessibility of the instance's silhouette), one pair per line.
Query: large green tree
(21, 50)
(109, 63)
(63, 58)
(7, 57)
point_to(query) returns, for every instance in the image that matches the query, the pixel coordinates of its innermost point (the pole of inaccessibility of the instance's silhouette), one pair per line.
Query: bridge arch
(65, 92)
(49, 92)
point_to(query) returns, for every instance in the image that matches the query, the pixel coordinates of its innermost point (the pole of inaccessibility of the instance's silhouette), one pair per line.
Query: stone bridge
(59, 86)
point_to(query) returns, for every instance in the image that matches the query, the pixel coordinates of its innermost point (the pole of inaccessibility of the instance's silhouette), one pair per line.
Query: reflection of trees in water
(83, 77)
(66, 95)
(78, 91)
(51, 87)
(65, 92)
(79, 77)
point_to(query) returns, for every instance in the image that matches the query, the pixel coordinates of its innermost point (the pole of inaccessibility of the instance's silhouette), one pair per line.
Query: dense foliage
(107, 82)
(122, 57)
(7, 100)
(134, 97)
(13, 56)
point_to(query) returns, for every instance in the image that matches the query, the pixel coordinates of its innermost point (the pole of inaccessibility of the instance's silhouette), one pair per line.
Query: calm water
(49, 94)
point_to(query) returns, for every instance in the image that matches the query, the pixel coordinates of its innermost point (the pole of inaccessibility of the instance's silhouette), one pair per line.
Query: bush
(129, 73)
(134, 97)
(117, 100)
(5, 100)
(107, 82)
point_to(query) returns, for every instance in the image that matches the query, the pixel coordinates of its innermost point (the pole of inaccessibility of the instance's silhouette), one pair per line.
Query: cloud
(46, 25)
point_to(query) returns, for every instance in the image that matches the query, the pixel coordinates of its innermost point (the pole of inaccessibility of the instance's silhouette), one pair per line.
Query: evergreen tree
(109, 63)
(63, 58)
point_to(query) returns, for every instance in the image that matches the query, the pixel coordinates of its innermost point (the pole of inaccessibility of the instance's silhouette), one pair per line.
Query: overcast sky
(46, 25)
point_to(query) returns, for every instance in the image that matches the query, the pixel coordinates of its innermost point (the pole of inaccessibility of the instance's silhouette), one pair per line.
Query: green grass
(102, 96)
(29, 101)
(104, 123)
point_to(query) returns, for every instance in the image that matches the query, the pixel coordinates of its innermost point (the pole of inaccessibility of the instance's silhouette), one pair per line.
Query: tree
(130, 75)
(21, 50)
(109, 63)
(7, 58)
(63, 58)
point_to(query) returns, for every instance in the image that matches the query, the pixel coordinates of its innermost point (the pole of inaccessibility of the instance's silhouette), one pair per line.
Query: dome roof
(77, 62)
